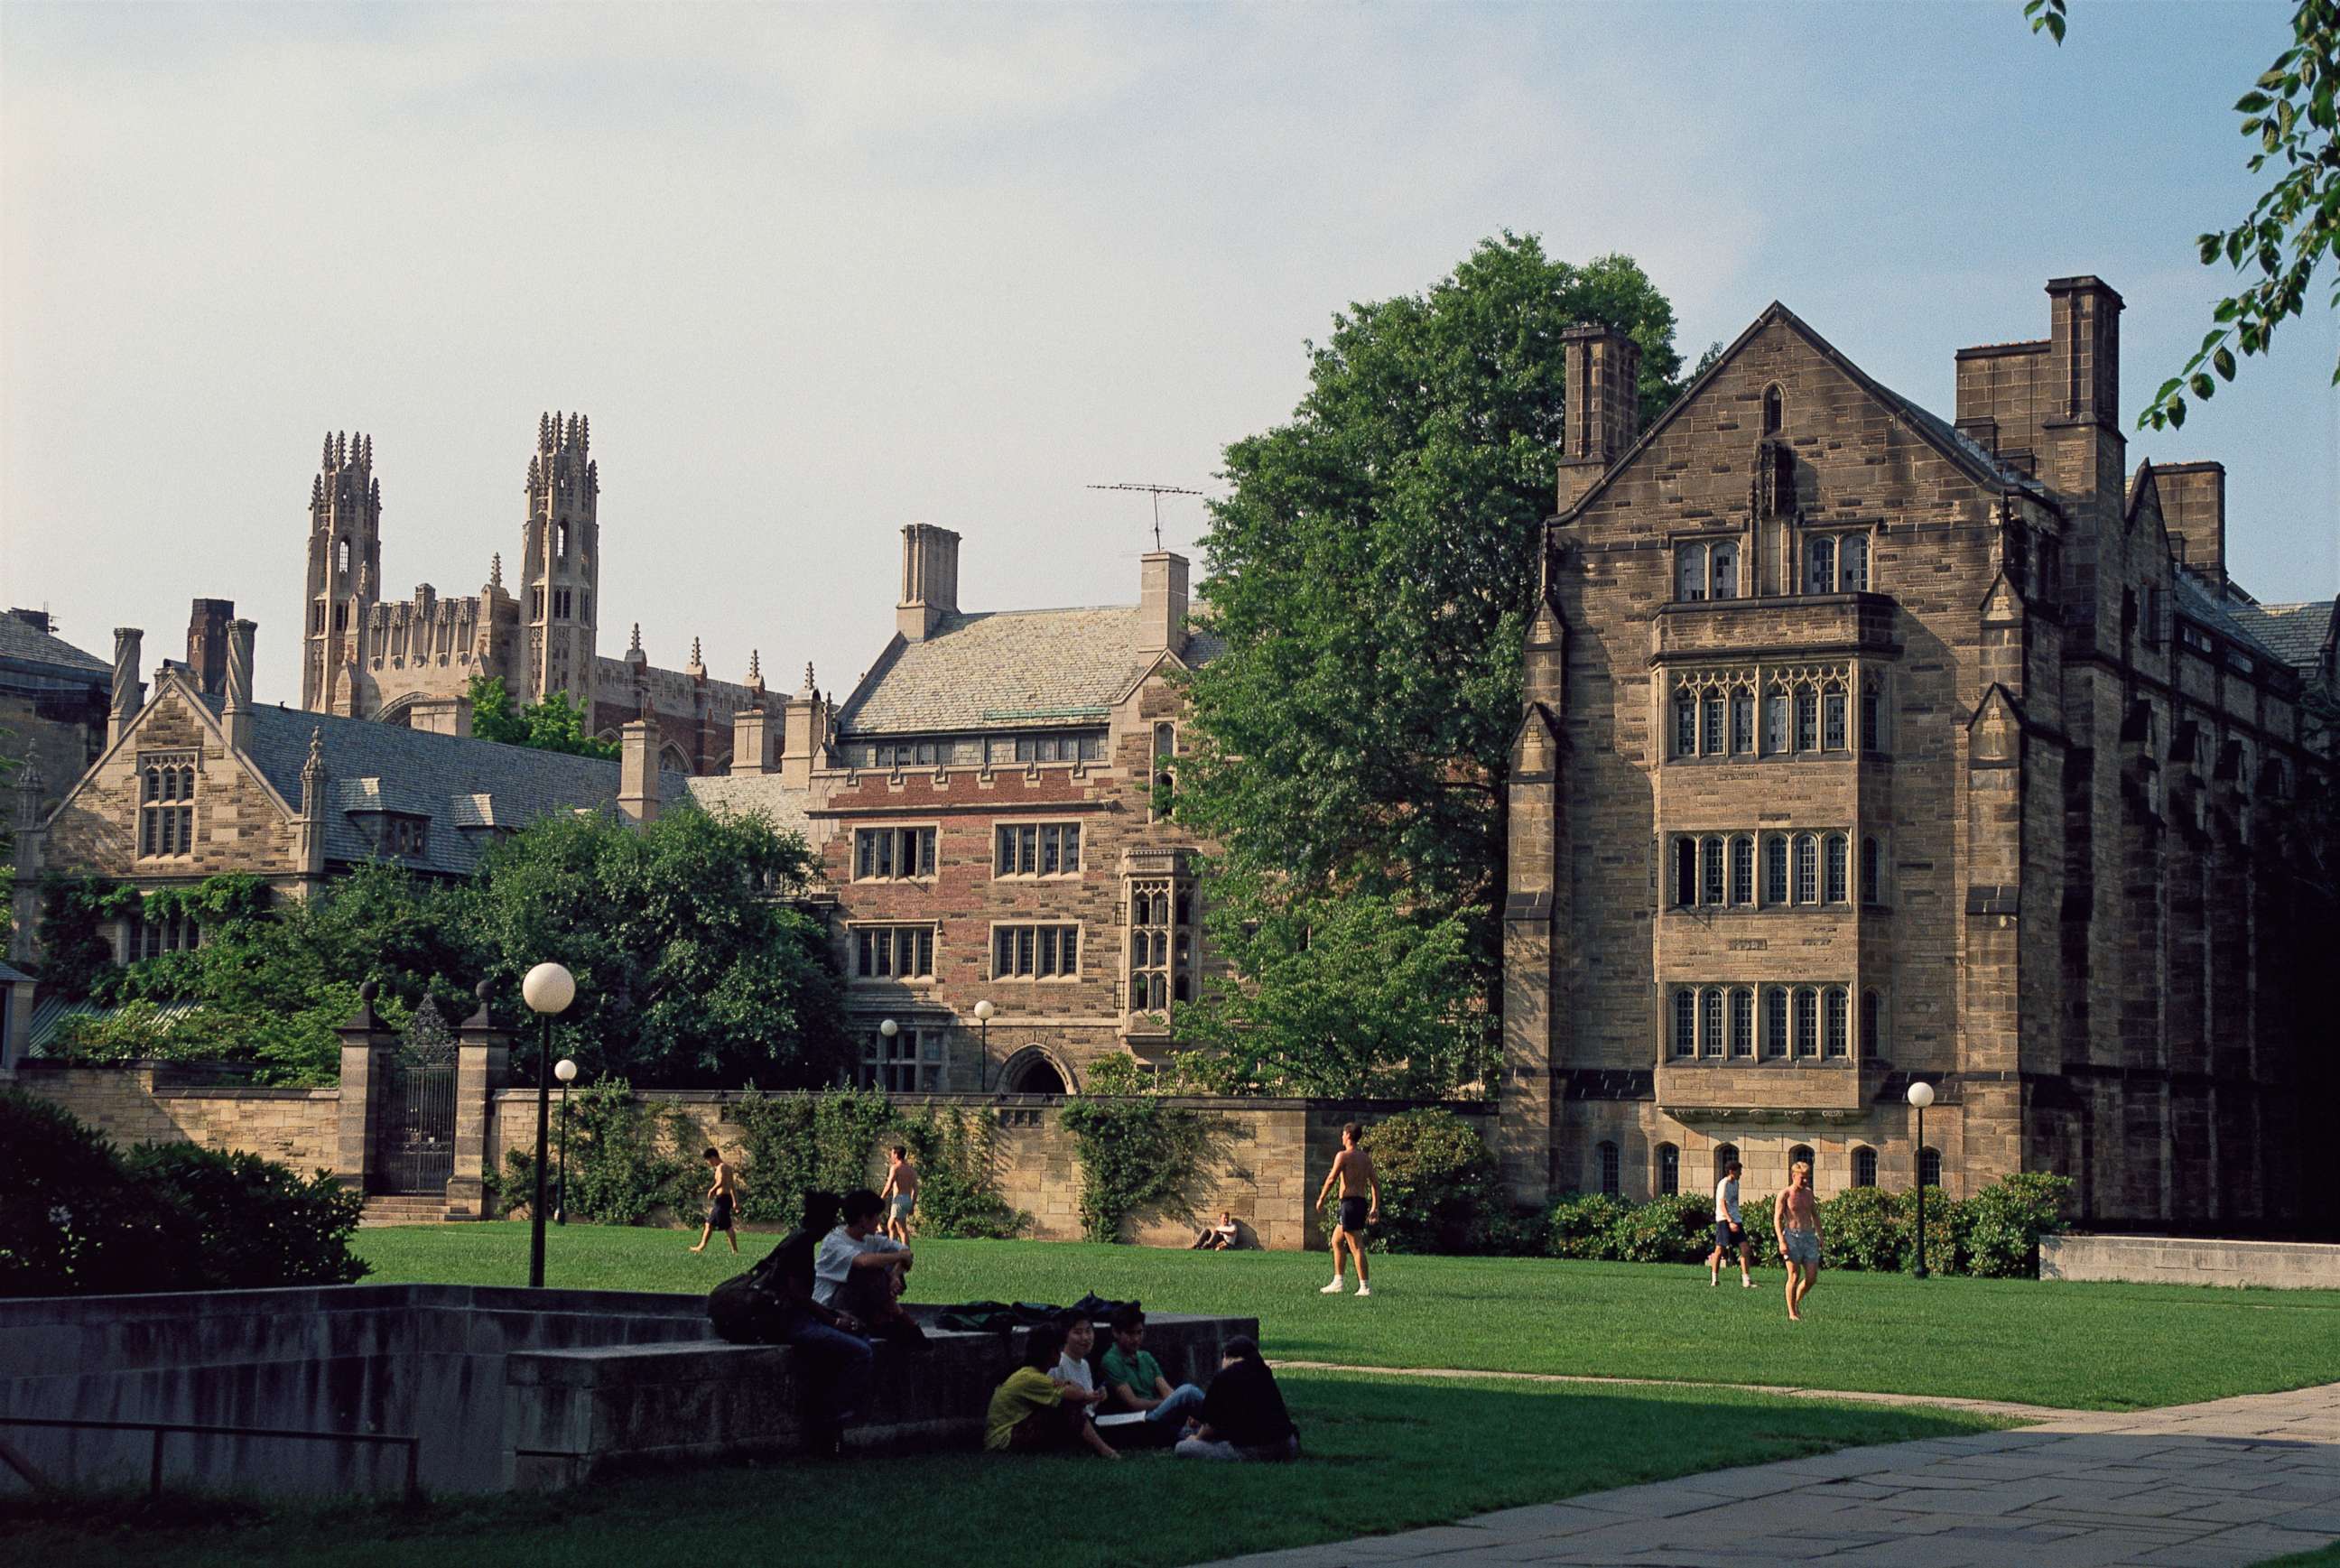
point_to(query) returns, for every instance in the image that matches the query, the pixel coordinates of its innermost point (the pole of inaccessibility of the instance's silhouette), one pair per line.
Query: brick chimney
(207, 638)
(2193, 510)
(638, 772)
(236, 680)
(1162, 603)
(929, 581)
(1602, 371)
(129, 691)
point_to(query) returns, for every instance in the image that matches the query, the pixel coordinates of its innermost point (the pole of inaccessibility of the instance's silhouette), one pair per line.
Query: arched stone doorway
(1032, 1071)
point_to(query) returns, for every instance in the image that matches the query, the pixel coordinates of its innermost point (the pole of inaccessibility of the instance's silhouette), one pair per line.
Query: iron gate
(414, 1148)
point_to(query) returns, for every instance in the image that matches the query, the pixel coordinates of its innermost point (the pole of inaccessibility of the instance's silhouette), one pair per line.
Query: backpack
(749, 1308)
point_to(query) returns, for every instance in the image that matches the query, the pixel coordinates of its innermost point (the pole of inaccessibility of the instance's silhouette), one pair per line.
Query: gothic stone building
(53, 703)
(1863, 746)
(408, 662)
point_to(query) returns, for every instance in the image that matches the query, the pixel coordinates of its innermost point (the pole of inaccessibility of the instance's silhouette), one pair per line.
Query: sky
(816, 274)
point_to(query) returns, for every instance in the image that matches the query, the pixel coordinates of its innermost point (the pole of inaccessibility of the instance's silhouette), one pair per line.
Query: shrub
(1677, 1229)
(956, 1195)
(1580, 1224)
(1137, 1156)
(248, 1223)
(1437, 1179)
(2005, 1221)
(800, 1142)
(628, 1157)
(1514, 1233)
(1867, 1227)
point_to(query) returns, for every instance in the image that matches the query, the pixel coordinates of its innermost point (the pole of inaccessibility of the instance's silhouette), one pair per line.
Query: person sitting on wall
(827, 1338)
(1031, 1413)
(1244, 1415)
(1216, 1237)
(860, 1270)
(1135, 1379)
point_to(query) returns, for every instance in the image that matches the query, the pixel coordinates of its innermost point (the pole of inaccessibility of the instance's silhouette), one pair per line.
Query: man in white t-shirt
(1728, 1232)
(859, 1269)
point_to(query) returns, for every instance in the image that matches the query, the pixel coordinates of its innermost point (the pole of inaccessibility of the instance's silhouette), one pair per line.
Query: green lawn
(2095, 1346)
(1382, 1454)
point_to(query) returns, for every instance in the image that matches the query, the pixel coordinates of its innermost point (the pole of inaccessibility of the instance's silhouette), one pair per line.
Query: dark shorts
(1352, 1214)
(1729, 1237)
(719, 1212)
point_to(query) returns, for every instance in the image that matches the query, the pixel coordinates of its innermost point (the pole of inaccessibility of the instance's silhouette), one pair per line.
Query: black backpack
(752, 1308)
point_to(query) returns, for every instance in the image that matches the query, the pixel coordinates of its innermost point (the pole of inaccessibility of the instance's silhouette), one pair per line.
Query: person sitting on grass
(1216, 1237)
(860, 1271)
(1134, 1378)
(1030, 1413)
(1072, 1370)
(1244, 1415)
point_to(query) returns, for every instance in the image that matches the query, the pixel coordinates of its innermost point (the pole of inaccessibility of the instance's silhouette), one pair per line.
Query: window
(882, 854)
(1669, 1170)
(1711, 712)
(1836, 890)
(1836, 564)
(1742, 869)
(1775, 1022)
(1689, 572)
(1864, 1167)
(1833, 736)
(1820, 564)
(1852, 563)
(1929, 1168)
(909, 753)
(1710, 887)
(1607, 1155)
(1775, 721)
(1742, 1022)
(1685, 871)
(1775, 870)
(1807, 711)
(910, 1063)
(536, 604)
(1808, 1022)
(1808, 872)
(1685, 724)
(1772, 411)
(152, 937)
(1048, 749)
(1703, 572)
(341, 555)
(166, 817)
(564, 541)
(1839, 1024)
(1165, 777)
(1710, 1023)
(1160, 945)
(894, 952)
(1039, 849)
(1726, 571)
(1036, 952)
(1872, 717)
(1742, 723)
(1869, 872)
(1872, 1028)
(1801, 1155)
(1685, 1022)
(404, 836)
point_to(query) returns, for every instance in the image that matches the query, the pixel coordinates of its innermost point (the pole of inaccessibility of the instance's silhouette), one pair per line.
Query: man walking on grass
(1796, 1221)
(1728, 1232)
(1353, 1168)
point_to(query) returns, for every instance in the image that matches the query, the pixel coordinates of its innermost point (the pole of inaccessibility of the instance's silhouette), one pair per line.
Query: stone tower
(344, 573)
(561, 556)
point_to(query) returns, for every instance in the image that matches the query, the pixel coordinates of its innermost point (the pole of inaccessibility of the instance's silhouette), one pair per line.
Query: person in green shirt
(1029, 1413)
(1135, 1379)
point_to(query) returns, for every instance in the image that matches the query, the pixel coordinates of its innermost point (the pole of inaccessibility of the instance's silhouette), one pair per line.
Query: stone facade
(53, 703)
(1861, 747)
(154, 1103)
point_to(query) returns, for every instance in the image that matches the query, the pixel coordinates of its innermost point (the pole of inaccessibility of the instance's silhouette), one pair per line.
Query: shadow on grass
(1380, 1454)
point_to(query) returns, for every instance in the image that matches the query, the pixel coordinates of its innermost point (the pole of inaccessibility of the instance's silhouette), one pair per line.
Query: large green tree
(1371, 575)
(553, 723)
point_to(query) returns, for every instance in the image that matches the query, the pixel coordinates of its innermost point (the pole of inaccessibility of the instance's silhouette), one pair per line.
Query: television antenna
(1157, 492)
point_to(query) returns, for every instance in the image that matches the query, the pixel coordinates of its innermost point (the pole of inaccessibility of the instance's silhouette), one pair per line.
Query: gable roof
(2295, 634)
(1005, 669)
(22, 642)
(1984, 468)
(742, 794)
(2200, 599)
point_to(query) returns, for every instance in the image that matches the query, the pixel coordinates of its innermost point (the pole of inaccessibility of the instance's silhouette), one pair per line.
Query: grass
(2079, 1346)
(1379, 1456)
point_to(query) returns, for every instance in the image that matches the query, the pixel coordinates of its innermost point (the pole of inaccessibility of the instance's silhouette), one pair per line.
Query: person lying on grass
(1244, 1415)
(1030, 1413)
(1134, 1378)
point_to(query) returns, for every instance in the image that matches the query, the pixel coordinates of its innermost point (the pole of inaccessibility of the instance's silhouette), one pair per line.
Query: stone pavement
(2231, 1482)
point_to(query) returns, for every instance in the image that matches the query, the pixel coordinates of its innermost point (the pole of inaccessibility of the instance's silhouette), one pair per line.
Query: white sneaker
(1365, 1290)
(1333, 1289)
(1747, 1284)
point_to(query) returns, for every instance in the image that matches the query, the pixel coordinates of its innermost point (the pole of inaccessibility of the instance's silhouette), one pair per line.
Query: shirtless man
(722, 1197)
(1353, 1168)
(1796, 1221)
(900, 1193)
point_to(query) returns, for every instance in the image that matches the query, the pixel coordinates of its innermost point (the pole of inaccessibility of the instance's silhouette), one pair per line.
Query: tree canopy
(554, 723)
(1371, 577)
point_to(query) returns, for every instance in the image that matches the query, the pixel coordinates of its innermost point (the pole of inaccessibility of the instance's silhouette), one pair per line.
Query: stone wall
(2175, 1260)
(157, 1102)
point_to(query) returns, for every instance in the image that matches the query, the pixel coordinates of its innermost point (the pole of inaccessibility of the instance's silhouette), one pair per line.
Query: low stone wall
(161, 1102)
(2182, 1260)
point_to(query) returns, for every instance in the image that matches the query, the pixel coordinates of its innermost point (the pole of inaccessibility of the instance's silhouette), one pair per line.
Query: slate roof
(454, 781)
(1005, 670)
(22, 642)
(2198, 600)
(725, 795)
(2296, 633)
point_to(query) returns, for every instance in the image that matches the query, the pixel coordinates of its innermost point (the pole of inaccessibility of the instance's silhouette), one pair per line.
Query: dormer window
(405, 837)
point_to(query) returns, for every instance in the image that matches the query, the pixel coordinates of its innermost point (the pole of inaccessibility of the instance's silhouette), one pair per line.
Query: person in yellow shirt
(1029, 1413)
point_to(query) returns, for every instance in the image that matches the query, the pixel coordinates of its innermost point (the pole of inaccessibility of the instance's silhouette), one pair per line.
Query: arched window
(1725, 569)
(1607, 1153)
(1669, 1170)
(1775, 870)
(1775, 721)
(1742, 723)
(1820, 564)
(1689, 572)
(563, 550)
(1834, 737)
(1723, 1154)
(1807, 719)
(1872, 1024)
(1929, 1168)
(1742, 868)
(1801, 1154)
(1808, 1021)
(1710, 718)
(1869, 872)
(341, 554)
(1808, 870)
(1685, 870)
(1709, 1022)
(1864, 1167)
(1773, 409)
(1710, 879)
(1836, 892)
(1742, 1022)
(1165, 776)
(1839, 1024)
(1872, 717)
(1685, 724)
(1852, 563)
(1775, 1021)
(1685, 1022)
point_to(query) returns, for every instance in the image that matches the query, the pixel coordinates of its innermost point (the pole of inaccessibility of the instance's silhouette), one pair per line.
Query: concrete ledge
(2184, 1260)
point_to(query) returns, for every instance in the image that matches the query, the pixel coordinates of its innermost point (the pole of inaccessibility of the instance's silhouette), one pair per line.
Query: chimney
(751, 741)
(236, 680)
(929, 581)
(207, 639)
(129, 691)
(1162, 603)
(2086, 453)
(440, 715)
(2193, 510)
(638, 772)
(804, 734)
(38, 620)
(1601, 370)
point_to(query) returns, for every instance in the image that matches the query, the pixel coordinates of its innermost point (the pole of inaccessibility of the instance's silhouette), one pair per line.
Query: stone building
(1863, 746)
(53, 703)
(409, 661)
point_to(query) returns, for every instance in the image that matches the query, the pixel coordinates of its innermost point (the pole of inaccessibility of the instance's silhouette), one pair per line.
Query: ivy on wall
(1139, 1158)
(957, 1195)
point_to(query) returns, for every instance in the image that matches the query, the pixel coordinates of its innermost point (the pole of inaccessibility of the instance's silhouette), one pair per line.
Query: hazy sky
(815, 273)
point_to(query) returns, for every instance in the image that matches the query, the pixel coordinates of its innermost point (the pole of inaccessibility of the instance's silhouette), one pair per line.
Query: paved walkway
(2234, 1481)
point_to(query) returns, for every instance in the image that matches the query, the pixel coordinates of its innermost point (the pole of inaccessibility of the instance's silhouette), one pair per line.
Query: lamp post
(1921, 1095)
(547, 989)
(983, 1011)
(566, 1071)
(888, 1028)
